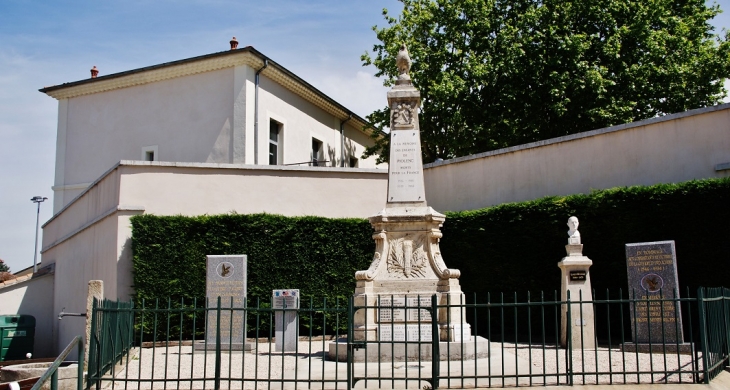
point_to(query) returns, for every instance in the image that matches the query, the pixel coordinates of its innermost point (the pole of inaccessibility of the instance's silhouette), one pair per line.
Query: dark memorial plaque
(652, 274)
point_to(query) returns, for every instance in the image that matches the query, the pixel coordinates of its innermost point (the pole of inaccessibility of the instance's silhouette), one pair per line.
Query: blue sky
(45, 43)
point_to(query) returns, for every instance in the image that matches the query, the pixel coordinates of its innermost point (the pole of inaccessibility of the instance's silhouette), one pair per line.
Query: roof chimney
(94, 72)
(234, 43)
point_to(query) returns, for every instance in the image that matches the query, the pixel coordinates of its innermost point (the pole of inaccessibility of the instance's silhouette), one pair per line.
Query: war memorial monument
(394, 294)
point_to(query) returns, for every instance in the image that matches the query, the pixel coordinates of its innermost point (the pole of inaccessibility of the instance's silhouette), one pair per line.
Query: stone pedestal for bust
(576, 279)
(407, 267)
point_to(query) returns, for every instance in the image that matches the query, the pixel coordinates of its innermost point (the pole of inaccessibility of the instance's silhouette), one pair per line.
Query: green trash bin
(17, 336)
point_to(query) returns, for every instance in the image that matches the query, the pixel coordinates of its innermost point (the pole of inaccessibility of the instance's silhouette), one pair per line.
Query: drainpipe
(342, 141)
(256, 115)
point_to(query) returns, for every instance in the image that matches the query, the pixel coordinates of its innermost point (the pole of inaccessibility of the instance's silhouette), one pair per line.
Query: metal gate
(161, 344)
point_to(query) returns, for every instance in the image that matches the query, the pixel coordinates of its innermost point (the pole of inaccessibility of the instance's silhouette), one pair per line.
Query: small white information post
(286, 321)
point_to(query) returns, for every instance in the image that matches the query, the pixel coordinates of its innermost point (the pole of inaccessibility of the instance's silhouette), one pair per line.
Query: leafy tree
(4, 267)
(497, 73)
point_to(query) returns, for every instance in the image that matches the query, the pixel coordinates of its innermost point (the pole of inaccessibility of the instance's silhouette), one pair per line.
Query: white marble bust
(573, 233)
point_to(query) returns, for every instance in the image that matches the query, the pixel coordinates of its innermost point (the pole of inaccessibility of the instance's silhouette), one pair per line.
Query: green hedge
(516, 246)
(511, 247)
(319, 256)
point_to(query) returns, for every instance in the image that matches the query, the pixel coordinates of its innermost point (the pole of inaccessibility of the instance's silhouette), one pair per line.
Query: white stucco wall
(196, 189)
(355, 143)
(33, 297)
(89, 255)
(185, 117)
(90, 238)
(673, 148)
(301, 122)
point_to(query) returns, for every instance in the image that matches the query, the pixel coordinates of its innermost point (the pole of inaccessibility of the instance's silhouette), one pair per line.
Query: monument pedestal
(407, 270)
(575, 278)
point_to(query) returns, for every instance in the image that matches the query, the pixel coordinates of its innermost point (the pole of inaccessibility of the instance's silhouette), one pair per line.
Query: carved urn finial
(403, 62)
(234, 43)
(94, 72)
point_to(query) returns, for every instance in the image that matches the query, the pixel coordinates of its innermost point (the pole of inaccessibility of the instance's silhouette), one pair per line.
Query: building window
(316, 152)
(274, 135)
(353, 162)
(149, 153)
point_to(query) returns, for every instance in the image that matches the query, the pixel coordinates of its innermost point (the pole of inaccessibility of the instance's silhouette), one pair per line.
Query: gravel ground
(608, 365)
(179, 367)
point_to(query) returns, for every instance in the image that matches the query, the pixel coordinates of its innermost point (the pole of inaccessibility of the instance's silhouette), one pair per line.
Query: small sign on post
(286, 319)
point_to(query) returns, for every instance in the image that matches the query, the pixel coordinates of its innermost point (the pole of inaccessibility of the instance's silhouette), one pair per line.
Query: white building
(226, 132)
(234, 107)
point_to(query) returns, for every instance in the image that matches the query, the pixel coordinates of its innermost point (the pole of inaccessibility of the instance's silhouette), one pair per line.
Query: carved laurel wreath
(407, 258)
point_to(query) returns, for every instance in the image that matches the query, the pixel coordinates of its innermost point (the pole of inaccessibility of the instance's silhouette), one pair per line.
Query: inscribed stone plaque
(652, 274)
(404, 309)
(419, 311)
(405, 172)
(401, 333)
(226, 278)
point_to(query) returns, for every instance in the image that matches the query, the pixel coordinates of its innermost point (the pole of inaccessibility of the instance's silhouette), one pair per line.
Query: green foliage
(4, 267)
(510, 247)
(516, 246)
(319, 256)
(500, 73)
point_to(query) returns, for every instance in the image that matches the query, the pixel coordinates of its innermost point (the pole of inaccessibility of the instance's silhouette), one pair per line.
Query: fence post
(435, 338)
(217, 383)
(350, 335)
(80, 372)
(703, 333)
(726, 318)
(54, 380)
(94, 348)
(569, 343)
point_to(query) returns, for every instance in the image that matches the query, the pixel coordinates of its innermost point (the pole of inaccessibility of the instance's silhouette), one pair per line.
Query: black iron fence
(515, 341)
(111, 336)
(715, 330)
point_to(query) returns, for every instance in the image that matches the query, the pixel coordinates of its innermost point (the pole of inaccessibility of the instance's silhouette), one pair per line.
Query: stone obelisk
(407, 267)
